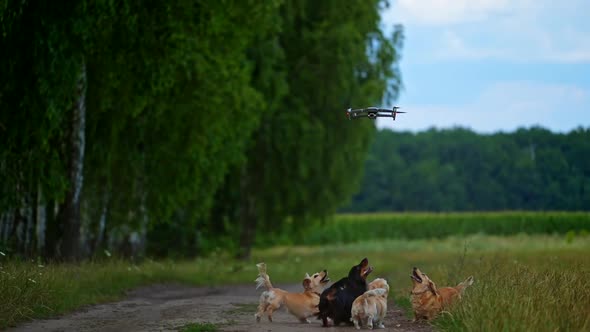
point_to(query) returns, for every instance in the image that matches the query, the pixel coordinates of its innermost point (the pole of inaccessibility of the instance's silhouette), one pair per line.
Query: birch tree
(305, 160)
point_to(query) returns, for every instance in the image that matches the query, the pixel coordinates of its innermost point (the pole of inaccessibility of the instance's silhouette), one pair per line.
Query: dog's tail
(263, 278)
(376, 292)
(464, 284)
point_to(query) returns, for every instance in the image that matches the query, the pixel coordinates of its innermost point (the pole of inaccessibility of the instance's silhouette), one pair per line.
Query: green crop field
(345, 228)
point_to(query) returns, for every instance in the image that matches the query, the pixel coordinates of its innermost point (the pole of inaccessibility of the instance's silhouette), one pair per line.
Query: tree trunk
(20, 229)
(9, 226)
(144, 221)
(40, 221)
(53, 231)
(2, 223)
(31, 212)
(247, 218)
(70, 210)
(102, 221)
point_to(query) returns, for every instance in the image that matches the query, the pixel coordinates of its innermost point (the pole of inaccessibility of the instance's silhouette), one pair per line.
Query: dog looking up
(336, 301)
(370, 308)
(428, 300)
(301, 305)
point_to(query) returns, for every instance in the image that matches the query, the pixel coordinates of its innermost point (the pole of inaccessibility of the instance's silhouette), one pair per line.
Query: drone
(373, 113)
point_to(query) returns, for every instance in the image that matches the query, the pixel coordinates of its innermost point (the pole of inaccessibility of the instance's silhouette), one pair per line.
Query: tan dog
(427, 300)
(370, 308)
(301, 305)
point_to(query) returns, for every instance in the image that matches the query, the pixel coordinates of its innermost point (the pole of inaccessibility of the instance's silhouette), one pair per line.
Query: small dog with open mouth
(428, 300)
(336, 301)
(301, 305)
(370, 308)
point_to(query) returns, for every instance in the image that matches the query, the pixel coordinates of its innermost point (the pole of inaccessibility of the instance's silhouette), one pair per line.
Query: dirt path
(169, 307)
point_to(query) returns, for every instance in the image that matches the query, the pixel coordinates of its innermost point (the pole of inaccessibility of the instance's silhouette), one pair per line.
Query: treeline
(459, 170)
(179, 127)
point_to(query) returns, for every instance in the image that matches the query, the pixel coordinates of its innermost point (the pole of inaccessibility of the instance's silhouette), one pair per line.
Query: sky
(492, 65)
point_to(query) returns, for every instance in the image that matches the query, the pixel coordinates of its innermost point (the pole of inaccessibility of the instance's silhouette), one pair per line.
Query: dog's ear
(307, 275)
(307, 283)
(432, 287)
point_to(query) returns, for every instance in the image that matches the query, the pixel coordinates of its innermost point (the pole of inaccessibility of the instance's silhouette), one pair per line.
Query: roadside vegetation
(522, 282)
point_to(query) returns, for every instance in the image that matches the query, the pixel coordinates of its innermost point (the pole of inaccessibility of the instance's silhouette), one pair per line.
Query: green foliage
(459, 170)
(170, 98)
(203, 118)
(39, 63)
(175, 107)
(305, 160)
(316, 157)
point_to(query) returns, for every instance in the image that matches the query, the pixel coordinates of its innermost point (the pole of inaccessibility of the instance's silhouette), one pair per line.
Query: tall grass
(345, 228)
(32, 290)
(516, 296)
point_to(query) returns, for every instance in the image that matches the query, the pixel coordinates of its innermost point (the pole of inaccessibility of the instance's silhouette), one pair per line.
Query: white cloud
(574, 56)
(504, 106)
(454, 47)
(444, 12)
(526, 45)
(518, 30)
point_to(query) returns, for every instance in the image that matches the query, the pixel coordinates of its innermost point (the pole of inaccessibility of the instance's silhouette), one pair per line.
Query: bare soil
(170, 307)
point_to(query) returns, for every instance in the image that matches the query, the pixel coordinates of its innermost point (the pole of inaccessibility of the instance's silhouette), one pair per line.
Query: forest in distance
(460, 170)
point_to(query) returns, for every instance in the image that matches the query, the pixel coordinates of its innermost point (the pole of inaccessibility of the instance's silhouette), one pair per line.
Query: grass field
(522, 282)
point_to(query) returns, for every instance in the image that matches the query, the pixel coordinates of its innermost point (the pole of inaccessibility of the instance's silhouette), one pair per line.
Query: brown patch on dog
(331, 295)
